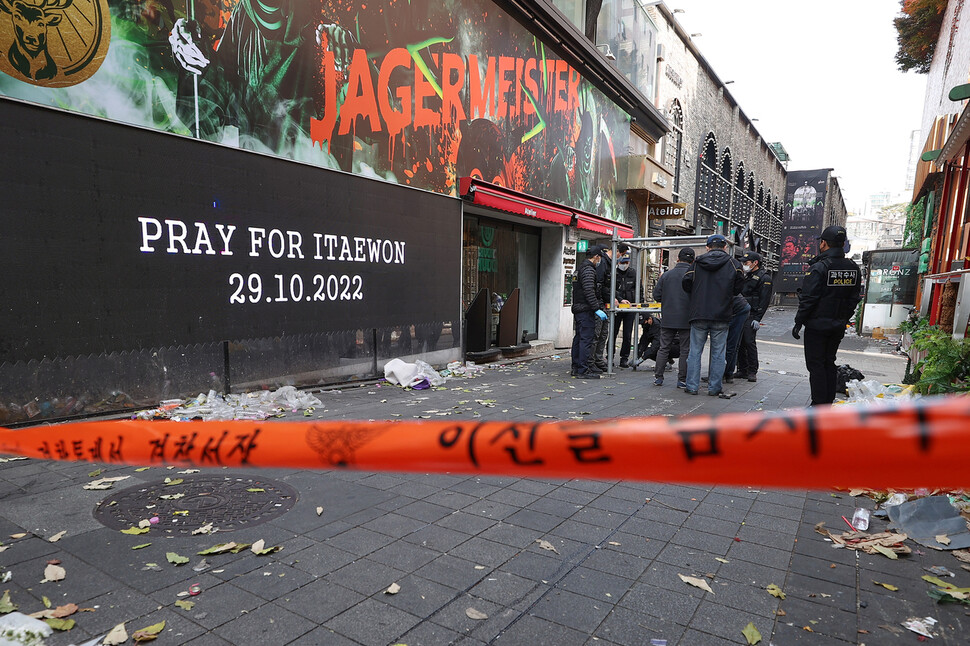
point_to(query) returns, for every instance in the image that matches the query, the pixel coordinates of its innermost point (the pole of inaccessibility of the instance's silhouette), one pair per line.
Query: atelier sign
(667, 211)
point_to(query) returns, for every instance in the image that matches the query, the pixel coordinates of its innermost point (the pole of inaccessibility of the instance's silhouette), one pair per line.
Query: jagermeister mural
(416, 92)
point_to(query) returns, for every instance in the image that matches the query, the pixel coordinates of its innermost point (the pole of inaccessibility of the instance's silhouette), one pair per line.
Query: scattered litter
(895, 499)
(394, 588)
(117, 635)
(258, 405)
(18, 628)
(886, 543)
(939, 570)
(927, 519)
(920, 626)
(56, 537)
(195, 589)
(869, 390)
(472, 613)
(53, 573)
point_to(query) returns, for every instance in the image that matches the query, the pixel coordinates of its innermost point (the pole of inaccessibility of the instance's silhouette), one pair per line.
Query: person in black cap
(587, 309)
(826, 301)
(675, 325)
(756, 289)
(712, 281)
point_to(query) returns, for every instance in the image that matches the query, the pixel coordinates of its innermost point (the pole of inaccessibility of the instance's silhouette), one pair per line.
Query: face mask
(747, 268)
(624, 264)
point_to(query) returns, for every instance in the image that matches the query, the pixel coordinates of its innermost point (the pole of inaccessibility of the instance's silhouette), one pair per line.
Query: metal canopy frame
(641, 244)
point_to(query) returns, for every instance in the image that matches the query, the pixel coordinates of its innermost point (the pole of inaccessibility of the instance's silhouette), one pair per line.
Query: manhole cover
(228, 502)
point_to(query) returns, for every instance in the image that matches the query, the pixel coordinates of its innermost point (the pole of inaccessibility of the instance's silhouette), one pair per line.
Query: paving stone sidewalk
(465, 550)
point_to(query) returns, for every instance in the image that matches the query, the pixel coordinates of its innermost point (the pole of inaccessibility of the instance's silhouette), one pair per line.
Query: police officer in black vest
(756, 289)
(826, 301)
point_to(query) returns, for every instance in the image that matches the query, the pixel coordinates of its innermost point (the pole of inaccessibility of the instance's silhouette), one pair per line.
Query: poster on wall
(415, 92)
(804, 215)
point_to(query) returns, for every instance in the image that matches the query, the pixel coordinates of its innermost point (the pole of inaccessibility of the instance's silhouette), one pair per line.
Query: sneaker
(713, 393)
(728, 379)
(689, 391)
(753, 377)
(587, 375)
(601, 366)
(659, 381)
(682, 384)
(624, 363)
(595, 370)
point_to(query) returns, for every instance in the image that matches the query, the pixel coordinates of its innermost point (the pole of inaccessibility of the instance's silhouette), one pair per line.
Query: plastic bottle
(860, 519)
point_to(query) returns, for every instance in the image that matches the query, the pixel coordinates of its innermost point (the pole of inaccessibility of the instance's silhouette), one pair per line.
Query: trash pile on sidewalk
(421, 376)
(258, 405)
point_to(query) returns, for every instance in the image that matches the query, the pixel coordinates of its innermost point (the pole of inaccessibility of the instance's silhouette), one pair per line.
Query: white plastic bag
(412, 375)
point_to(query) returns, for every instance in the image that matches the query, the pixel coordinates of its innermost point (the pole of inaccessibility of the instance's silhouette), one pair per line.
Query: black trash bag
(843, 375)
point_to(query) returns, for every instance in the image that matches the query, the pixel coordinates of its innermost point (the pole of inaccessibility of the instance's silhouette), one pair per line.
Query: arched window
(761, 194)
(673, 142)
(751, 186)
(709, 157)
(739, 177)
(726, 164)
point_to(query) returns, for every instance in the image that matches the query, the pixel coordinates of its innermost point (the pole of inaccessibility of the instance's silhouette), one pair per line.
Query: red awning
(505, 199)
(602, 226)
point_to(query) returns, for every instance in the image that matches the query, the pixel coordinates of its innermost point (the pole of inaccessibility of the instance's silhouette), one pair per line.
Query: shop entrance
(501, 256)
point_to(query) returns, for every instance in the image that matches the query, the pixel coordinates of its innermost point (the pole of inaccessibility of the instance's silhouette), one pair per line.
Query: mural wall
(804, 215)
(414, 92)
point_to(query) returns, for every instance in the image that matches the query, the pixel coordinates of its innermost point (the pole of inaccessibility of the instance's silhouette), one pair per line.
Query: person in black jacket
(675, 326)
(826, 301)
(597, 362)
(587, 308)
(756, 289)
(626, 293)
(712, 281)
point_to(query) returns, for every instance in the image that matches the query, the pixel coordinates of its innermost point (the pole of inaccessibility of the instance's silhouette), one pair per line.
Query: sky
(821, 78)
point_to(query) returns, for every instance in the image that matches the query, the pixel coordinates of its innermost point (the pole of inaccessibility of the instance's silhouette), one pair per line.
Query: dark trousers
(600, 334)
(627, 320)
(668, 337)
(748, 350)
(735, 330)
(584, 340)
(820, 351)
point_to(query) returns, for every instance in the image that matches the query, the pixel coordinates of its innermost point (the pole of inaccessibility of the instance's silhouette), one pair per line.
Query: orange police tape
(923, 443)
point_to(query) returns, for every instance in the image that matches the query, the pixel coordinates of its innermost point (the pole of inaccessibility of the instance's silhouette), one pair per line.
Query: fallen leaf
(942, 539)
(187, 471)
(95, 474)
(56, 613)
(205, 529)
(185, 605)
(56, 537)
(267, 550)
(176, 559)
(47, 602)
(775, 591)
(20, 535)
(546, 545)
(138, 470)
(751, 634)
(6, 605)
(696, 582)
(53, 573)
(808, 628)
(962, 555)
(104, 483)
(257, 546)
(393, 589)
(60, 624)
(885, 551)
(475, 614)
(169, 482)
(222, 548)
(172, 496)
(888, 586)
(142, 546)
(780, 613)
(134, 531)
(319, 511)
(256, 490)
(614, 543)
(149, 633)
(117, 635)
(718, 558)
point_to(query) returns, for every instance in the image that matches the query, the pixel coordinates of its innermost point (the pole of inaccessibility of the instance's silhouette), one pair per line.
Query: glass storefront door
(501, 256)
